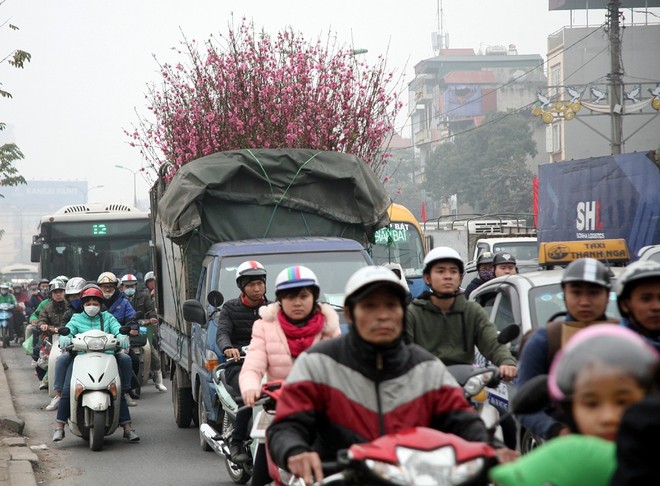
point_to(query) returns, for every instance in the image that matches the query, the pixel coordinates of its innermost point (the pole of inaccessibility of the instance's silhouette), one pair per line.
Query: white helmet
(443, 253)
(366, 278)
(297, 277)
(149, 276)
(75, 285)
(129, 279)
(249, 271)
(639, 270)
(107, 278)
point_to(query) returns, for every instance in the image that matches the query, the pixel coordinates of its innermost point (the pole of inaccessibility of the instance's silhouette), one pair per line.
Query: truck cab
(333, 260)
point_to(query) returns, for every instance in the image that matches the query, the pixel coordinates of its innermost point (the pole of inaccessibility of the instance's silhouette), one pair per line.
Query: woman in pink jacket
(296, 321)
(289, 326)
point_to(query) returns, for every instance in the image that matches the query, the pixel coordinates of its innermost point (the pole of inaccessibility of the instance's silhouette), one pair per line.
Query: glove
(124, 342)
(64, 341)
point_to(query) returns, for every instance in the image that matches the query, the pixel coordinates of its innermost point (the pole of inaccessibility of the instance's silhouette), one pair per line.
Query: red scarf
(301, 338)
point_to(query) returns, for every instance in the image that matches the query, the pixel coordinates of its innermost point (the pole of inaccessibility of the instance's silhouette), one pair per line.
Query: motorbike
(141, 348)
(416, 456)
(95, 386)
(262, 414)
(6, 320)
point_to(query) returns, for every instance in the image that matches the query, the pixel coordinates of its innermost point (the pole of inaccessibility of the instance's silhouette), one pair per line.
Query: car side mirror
(508, 334)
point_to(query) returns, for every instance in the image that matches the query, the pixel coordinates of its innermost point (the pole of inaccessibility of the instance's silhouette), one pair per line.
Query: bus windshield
(400, 242)
(91, 243)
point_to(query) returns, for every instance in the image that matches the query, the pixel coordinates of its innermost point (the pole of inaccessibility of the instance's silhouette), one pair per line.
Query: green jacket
(453, 336)
(7, 299)
(571, 460)
(35, 315)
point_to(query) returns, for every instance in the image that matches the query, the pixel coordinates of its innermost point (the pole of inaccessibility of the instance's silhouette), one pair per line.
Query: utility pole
(616, 86)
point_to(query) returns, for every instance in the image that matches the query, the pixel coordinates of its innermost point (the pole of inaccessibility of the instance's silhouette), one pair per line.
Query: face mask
(107, 295)
(92, 310)
(75, 304)
(485, 274)
(43, 292)
(130, 292)
(4, 292)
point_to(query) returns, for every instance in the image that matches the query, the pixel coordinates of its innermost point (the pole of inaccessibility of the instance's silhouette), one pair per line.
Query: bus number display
(99, 230)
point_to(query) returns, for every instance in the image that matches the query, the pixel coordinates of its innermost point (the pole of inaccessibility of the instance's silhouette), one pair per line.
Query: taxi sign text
(615, 251)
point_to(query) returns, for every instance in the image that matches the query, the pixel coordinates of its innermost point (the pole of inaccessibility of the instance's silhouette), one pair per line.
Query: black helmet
(503, 257)
(485, 257)
(587, 270)
(635, 272)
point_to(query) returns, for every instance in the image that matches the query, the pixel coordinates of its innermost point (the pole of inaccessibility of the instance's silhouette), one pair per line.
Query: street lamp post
(90, 190)
(134, 172)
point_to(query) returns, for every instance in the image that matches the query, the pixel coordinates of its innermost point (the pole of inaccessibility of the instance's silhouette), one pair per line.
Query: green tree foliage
(402, 170)
(9, 152)
(485, 166)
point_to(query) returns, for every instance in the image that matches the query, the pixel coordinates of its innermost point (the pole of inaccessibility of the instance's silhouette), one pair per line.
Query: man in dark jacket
(485, 273)
(51, 318)
(364, 384)
(234, 332)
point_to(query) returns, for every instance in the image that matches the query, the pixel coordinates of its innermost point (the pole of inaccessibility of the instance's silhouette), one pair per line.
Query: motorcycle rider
(504, 264)
(341, 391)
(150, 284)
(21, 297)
(51, 318)
(445, 323)
(144, 305)
(234, 332)
(6, 297)
(287, 327)
(586, 286)
(484, 272)
(72, 291)
(93, 318)
(114, 299)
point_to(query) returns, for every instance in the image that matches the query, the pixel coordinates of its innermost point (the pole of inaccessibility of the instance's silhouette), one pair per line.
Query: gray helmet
(485, 257)
(587, 270)
(635, 272)
(75, 286)
(149, 276)
(56, 284)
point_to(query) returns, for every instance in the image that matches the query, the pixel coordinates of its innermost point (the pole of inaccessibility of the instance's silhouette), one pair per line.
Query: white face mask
(92, 310)
(130, 292)
(107, 295)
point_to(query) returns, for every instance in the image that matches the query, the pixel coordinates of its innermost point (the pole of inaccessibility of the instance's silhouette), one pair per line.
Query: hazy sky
(91, 61)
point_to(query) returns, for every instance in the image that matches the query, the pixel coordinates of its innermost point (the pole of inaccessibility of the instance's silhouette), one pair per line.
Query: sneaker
(43, 385)
(131, 435)
(53, 404)
(133, 394)
(130, 401)
(59, 434)
(237, 452)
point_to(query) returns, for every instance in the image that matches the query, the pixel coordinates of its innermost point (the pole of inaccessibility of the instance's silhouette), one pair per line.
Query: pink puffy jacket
(269, 352)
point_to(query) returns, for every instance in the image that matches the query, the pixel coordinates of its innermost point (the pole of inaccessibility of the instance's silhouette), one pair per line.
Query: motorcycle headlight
(432, 468)
(96, 343)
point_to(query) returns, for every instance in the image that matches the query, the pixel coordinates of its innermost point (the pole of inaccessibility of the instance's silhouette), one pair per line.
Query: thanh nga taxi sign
(563, 252)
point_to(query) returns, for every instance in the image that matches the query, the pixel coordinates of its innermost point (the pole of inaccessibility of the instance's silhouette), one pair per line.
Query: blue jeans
(64, 369)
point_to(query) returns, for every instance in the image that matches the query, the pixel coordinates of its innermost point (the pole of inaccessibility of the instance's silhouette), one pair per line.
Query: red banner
(535, 202)
(423, 211)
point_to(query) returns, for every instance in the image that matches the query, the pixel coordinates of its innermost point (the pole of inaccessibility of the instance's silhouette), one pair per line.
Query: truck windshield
(522, 250)
(332, 269)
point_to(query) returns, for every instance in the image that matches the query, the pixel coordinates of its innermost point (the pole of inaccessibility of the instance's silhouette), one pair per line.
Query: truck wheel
(183, 404)
(201, 419)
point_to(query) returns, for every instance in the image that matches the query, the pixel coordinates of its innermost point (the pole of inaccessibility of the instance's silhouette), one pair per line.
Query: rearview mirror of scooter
(215, 298)
(508, 334)
(531, 397)
(124, 330)
(64, 331)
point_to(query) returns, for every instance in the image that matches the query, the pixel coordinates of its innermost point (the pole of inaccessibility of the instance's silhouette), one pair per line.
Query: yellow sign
(562, 252)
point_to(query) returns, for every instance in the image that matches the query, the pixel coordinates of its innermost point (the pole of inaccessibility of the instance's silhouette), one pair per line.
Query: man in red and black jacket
(365, 384)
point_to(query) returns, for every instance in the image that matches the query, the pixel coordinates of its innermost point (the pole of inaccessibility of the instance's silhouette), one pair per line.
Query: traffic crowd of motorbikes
(394, 399)
(90, 344)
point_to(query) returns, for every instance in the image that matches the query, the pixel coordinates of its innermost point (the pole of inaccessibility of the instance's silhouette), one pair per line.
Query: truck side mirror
(194, 312)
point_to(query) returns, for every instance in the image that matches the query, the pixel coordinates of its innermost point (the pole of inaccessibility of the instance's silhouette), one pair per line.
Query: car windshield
(331, 268)
(547, 300)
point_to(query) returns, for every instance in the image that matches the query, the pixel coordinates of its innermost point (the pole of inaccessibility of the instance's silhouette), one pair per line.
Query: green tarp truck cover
(261, 193)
